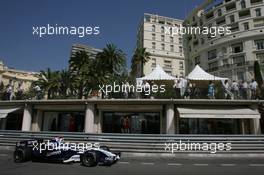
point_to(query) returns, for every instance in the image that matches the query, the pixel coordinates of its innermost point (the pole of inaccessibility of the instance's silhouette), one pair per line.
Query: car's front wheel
(89, 159)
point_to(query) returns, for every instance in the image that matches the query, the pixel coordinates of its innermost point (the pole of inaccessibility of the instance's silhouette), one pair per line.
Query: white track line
(123, 162)
(147, 163)
(174, 164)
(226, 164)
(3, 155)
(256, 164)
(200, 164)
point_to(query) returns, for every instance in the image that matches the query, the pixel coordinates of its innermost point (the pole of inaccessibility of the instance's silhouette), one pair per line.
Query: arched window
(153, 28)
(162, 29)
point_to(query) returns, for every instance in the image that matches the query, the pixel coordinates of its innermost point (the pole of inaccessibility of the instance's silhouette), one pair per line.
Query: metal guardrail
(143, 143)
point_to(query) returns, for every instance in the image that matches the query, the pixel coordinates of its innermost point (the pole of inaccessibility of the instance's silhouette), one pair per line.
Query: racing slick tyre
(22, 155)
(89, 159)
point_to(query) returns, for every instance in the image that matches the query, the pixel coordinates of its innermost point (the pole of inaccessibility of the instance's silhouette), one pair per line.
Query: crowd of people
(235, 90)
(242, 90)
(183, 89)
(9, 92)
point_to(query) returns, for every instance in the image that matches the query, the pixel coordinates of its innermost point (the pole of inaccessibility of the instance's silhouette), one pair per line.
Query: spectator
(38, 92)
(235, 89)
(245, 90)
(19, 92)
(195, 92)
(176, 86)
(253, 88)
(182, 86)
(211, 90)
(188, 91)
(9, 92)
(226, 89)
(146, 90)
(126, 125)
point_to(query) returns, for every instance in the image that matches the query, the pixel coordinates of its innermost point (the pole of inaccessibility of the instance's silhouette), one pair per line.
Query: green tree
(259, 79)
(140, 57)
(81, 68)
(65, 83)
(257, 73)
(49, 82)
(110, 63)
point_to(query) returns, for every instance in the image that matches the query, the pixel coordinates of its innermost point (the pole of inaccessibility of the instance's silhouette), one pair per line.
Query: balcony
(255, 2)
(213, 69)
(244, 14)
(239, 64)
(231, 7)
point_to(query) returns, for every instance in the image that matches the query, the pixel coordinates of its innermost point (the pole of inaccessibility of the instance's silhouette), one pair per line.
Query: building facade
(227, 55)
(16, 78)
(165, 50)
(92, 52)
(143, 116)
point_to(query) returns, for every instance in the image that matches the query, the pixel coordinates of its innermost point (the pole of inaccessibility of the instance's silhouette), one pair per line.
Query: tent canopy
(157, 74)
(199, 74)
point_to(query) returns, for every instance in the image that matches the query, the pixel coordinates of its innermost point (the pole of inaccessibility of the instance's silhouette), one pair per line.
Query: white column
(89, 119)
(27, 118)
(170, 128)
(99, 125)
(243, 131)
(255, 123)
(37, 121)
(256, 126)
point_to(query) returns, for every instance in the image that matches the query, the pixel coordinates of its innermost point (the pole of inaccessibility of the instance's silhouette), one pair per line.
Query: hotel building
(165, 50)
(92, 52)
(233, 55)
(16, 78)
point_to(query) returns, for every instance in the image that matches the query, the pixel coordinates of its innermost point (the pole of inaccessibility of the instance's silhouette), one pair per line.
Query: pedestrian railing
(147, 143)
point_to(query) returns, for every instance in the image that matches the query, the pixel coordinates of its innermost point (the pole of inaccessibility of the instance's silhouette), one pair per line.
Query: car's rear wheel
(89, 160)
(21, 155)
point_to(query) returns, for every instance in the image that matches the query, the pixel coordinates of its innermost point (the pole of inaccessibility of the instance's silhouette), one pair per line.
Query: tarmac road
(140, 165)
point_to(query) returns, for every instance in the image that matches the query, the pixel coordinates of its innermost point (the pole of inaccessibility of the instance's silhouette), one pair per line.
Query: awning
(4, 111)
(218, 112)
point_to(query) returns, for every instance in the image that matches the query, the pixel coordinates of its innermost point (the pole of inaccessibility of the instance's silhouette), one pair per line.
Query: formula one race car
(55, 150)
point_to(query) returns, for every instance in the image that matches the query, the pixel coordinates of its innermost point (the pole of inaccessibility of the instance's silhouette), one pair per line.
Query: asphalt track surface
(140, 165)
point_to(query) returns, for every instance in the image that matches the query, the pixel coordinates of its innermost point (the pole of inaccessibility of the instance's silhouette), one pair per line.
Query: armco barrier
(144, 143)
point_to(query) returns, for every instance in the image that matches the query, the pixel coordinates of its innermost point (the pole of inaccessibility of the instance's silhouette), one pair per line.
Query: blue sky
(118, 21)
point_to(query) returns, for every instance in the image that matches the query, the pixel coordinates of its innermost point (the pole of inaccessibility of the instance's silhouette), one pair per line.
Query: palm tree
(140, 57)
(65, 83)
(81, 70)
(49, 82)
(111, 60)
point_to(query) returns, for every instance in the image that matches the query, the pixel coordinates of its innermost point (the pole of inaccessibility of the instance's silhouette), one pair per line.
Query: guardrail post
(170, 128)
(89, 119)
(27, 118)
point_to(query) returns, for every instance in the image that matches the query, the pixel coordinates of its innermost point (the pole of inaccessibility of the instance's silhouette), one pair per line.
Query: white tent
(199, 74)
(157, 74)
